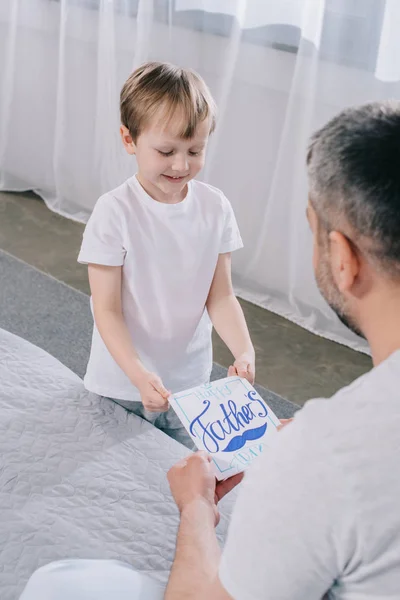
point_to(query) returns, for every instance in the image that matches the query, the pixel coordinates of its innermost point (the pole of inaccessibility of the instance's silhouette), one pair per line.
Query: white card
(229, 420)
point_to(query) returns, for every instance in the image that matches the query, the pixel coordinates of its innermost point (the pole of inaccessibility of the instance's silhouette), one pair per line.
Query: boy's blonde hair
(157, 86)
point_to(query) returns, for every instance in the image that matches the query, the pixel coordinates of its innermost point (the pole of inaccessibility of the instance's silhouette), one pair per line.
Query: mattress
(79, 476)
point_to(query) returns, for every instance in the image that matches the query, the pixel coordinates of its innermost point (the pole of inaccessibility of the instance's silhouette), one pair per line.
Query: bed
(79, 477)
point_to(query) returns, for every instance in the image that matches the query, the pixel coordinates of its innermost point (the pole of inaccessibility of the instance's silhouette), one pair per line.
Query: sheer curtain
(278, 70)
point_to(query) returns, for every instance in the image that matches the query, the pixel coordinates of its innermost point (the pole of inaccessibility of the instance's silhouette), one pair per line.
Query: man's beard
(347, 321)
(332, 295)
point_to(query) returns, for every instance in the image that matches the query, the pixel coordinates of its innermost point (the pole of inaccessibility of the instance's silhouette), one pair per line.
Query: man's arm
(196, 563)
(228, 319)
(292, 530)
(195, 570)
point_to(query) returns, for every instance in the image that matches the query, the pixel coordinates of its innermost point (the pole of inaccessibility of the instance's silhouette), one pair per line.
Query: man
(319, 512)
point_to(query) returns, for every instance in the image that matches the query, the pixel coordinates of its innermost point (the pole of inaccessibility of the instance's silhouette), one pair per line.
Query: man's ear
(345, 263)
(127, 140)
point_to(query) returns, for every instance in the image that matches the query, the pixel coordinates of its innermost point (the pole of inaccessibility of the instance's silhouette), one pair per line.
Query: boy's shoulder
(207, 192)
(117, 198)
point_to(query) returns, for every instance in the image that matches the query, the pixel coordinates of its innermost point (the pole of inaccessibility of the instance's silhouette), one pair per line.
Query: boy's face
(167, 162)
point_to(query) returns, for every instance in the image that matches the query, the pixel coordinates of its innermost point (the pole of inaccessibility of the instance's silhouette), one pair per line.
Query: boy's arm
(228, 319)
(105, 284)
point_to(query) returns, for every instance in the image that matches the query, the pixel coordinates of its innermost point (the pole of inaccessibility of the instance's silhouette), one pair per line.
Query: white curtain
(277, 69)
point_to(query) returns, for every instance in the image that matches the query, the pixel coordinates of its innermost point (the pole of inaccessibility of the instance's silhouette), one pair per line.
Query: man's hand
(153, 394)
(284, 422)
(192, 479)
(243, 367)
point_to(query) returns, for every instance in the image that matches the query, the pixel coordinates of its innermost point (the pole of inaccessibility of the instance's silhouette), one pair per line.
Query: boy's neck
(158, 195)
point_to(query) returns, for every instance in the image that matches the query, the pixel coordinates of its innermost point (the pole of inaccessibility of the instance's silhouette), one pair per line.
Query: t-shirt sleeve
(231, 239)
(286, 536)
(102, 242)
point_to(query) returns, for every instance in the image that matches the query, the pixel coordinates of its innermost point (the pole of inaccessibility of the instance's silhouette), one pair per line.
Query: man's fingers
(224, 487)
(195, 460)
(201, 455)
(176, 471)
(284, 422)
(177, 466)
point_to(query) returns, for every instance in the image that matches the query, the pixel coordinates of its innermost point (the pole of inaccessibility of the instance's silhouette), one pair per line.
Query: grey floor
(290, 361)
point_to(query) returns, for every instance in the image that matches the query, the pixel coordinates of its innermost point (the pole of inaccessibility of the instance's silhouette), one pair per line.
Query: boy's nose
(180, 163)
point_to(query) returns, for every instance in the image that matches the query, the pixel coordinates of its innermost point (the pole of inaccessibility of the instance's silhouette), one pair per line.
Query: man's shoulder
(363, 389)
(372, 398)
(348, 433)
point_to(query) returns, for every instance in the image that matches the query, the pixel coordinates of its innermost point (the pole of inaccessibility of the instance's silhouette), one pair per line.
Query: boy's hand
(153, 393)
(243, 367)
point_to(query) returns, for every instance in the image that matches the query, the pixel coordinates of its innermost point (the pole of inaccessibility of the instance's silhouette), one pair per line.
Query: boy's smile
(175, 179)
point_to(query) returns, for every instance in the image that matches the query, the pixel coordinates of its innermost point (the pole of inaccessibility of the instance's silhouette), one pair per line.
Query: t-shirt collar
(154, 204)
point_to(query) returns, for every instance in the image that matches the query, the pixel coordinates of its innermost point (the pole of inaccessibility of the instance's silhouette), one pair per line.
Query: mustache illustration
(239, 441)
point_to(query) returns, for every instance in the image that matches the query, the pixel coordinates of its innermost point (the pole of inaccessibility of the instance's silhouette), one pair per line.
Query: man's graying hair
(354, 175)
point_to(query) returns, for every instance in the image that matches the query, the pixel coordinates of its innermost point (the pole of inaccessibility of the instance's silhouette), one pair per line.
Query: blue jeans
(167, 422)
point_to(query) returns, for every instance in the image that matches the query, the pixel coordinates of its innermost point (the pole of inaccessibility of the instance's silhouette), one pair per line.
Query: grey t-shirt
(319, 513)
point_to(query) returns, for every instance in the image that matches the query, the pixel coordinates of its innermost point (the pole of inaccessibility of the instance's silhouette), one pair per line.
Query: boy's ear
(127, 140)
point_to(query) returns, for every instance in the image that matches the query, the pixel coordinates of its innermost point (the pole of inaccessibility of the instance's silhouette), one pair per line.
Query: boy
(159, 254)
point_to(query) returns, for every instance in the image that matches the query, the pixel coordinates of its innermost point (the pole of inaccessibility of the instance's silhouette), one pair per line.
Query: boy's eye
(170, 152)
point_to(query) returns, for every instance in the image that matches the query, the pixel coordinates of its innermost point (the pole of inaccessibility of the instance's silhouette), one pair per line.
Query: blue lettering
(236, 414)
(246, 414)
(223, 432)
(232, 424)
(207, 436)
(251, 397)
(233, 420)
(251, 409)
(243, 458)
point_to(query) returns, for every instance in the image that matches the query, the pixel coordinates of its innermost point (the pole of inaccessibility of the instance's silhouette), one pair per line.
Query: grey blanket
(79, 477)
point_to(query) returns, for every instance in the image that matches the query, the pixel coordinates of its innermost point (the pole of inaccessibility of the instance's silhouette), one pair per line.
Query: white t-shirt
(169, 253)
(319, 513)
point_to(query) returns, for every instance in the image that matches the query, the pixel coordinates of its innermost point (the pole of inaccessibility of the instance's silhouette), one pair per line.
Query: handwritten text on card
(232, 418)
